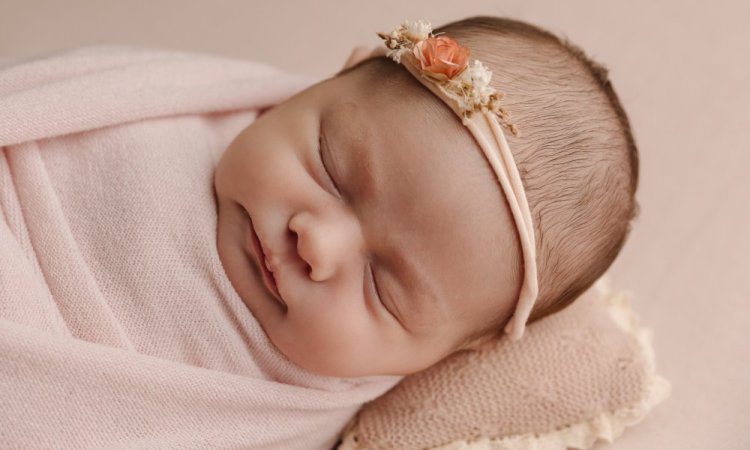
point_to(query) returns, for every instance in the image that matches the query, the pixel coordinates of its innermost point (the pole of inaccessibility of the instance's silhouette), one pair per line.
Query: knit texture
(118, 325)
(583, 373)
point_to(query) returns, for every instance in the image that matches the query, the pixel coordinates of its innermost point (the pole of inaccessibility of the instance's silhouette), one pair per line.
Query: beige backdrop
(682, 71)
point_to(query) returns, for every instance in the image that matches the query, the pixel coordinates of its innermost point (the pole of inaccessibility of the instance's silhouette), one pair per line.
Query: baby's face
(387, 234)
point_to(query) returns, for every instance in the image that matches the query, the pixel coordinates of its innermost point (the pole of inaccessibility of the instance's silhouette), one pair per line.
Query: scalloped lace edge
(581, 435)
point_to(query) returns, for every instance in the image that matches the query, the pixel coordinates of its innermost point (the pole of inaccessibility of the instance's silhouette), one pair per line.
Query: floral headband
(441, 65)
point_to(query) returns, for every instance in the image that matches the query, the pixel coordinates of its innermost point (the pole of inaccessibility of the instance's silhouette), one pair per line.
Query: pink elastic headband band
(441, 65)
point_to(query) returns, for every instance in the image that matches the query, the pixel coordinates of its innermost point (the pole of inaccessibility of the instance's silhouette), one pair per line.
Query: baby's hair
(576, 153)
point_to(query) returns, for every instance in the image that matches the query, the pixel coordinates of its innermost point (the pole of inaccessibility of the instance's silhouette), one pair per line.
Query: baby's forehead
(412, 140)
(396, 112)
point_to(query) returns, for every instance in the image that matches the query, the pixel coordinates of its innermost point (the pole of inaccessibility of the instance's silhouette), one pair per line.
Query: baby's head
(390, 240)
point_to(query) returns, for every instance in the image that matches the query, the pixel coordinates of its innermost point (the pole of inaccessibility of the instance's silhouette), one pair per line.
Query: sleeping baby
(206, 252)
(366, 227)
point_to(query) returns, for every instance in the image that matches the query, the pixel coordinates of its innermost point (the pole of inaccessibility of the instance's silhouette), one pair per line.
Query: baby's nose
(327, 242)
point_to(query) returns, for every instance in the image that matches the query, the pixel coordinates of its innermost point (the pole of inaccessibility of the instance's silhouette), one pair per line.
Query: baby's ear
(360, 53)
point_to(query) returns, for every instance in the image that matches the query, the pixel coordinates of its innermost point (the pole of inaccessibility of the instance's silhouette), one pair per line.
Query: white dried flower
(395, 54)
(475, 83)
(416, 31)
(480, 75)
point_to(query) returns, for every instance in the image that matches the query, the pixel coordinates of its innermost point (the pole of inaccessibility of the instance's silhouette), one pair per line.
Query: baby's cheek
(331, 344)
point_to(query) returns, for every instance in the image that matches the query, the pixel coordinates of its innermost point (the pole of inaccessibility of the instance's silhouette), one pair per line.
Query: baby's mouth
(268, 278)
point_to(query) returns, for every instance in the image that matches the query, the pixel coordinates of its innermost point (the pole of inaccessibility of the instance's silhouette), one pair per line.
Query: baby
(363, 227)
(172, 277)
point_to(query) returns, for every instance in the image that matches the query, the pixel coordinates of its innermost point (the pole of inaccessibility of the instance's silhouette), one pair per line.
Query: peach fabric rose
(441, 57)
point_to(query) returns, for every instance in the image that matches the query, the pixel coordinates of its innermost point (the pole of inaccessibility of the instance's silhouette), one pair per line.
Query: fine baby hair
(572, 185)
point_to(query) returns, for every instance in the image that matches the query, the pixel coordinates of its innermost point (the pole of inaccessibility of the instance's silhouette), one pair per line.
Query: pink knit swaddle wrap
(118, 325)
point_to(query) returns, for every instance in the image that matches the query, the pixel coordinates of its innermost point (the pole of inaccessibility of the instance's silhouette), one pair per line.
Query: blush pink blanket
(118, 325)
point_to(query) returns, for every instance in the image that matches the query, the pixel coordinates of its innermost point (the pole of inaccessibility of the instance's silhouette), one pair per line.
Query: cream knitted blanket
(118, 325)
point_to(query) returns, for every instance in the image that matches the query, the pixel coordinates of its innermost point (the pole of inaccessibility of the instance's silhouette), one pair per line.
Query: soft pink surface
(681, 70)
(118, 325)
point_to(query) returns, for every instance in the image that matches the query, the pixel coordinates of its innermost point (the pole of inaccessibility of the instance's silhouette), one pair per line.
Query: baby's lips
(264, 264)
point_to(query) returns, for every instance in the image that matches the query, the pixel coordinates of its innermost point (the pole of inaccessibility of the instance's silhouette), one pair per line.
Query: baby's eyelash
(377, 291)
(325, 168)
(375, 286)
